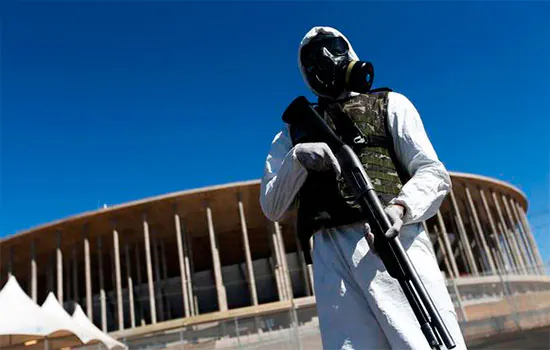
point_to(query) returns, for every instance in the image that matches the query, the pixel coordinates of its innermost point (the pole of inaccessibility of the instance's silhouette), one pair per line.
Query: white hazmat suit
(359, 305)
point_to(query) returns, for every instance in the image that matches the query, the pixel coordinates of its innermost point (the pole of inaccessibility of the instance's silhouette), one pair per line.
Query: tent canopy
(24, 323)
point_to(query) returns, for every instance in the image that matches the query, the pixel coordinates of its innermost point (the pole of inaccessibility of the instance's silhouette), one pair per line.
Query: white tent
(21, 320)
(25, 325)
(65, 327)
(82, 320)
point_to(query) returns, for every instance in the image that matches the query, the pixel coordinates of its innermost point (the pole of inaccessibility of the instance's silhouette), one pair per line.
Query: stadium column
(248, 257)
(88, 276)
(516, 235)
(284, 262)
(33, 271)
(59, 261)
(102, 296)
(464, 237)
(532, 241)
(480, 232)
(220, 288)
(147, 243)
(190, 269)
(447, 245)
(443, 252)
(130, 286)
(116, 252)
(507, 235)
(510, 256)
(277, 267)
(183, 274)
(523, 238)
(498, 245)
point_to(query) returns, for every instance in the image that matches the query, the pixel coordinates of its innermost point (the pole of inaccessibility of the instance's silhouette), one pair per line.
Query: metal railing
(486, 304)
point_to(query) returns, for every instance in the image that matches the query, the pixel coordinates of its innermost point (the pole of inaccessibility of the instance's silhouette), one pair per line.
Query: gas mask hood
(330, 67)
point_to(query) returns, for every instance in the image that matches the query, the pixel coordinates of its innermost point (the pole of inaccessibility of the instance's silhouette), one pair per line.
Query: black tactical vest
(324, 200)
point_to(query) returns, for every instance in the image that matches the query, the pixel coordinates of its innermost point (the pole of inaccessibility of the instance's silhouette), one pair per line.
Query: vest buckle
(358, 140)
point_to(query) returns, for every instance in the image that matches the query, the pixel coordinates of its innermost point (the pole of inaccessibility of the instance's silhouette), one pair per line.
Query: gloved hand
(395, 213)
(317, 156)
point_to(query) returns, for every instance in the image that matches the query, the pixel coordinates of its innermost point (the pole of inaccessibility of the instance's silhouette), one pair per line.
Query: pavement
(538, 338)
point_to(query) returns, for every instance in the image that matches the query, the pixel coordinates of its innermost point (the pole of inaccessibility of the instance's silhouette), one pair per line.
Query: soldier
(359, 305)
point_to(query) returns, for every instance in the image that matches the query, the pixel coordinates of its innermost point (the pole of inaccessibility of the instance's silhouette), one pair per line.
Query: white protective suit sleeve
(422, 195)
(430, 182)
(283, 177)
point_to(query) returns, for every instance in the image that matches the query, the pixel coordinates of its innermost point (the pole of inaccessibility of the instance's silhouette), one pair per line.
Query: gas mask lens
(313, 51)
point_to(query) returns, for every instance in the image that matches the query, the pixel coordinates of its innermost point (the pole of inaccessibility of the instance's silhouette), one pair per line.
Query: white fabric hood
(313, 32)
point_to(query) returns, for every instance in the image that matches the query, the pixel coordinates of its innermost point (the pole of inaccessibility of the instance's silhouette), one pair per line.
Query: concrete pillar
(515, 234)
(498, 259)
(500, 249)
(88, 277)
(523, 238)
(158, 294)
(75, 277)
(130, 284)
(447, 245)
(533, 242)
(464, 237)
(284, 262)
(480, 232)
(220, 288)
(190, 269)
(102, 296)
(508, 236)
(59, 262)
(248, 257)
(510, 258)
(443, 249)
(276, 264)
(33, 272)
(118, 280)
(183, 274)
(462, 255)
(152, 304)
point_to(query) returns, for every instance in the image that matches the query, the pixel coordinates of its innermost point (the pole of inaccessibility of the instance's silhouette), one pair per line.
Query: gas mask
(330, 70)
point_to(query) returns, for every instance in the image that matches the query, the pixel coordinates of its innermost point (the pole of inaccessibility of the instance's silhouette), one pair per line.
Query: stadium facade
(211, 252)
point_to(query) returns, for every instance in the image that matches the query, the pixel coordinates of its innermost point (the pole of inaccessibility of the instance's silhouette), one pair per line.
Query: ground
(538, 338)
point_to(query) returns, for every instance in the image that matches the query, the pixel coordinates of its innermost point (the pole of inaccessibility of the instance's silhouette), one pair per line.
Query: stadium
(205, 265)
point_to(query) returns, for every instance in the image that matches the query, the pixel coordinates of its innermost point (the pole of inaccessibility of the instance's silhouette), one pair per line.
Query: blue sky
(112, 102)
